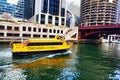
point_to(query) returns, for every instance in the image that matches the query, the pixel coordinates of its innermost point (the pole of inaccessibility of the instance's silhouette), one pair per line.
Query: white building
(50, 12)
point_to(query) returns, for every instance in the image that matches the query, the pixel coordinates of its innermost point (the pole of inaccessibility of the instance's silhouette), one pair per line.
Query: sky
(75, 1)
(12, 1)
(15, 1)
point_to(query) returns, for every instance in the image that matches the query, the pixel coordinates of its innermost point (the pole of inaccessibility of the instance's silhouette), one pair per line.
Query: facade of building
(73, 14)
(7, 7)
(29, 8)
(50, 12)
(98, 12)
(10, 31)
(20, 9)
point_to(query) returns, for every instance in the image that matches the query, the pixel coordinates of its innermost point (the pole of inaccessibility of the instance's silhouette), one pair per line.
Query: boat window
(44, 44)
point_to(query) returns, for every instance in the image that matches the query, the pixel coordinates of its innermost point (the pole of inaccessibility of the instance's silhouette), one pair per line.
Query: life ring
(26, 43)
(11, 43)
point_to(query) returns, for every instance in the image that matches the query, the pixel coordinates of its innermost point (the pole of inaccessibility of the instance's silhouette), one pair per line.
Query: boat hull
(41, 53)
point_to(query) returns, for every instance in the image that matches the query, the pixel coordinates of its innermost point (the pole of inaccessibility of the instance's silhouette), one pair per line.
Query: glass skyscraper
(20, 9)
(7, 7)
(50, 12)
(25, 9)
(29, 7)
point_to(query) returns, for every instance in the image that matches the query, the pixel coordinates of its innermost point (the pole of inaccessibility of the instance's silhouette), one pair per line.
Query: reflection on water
(9, 73)
(85, 62)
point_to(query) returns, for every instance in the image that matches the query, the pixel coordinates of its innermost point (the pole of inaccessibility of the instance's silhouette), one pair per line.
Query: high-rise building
(20, 9)
(25, 9)
(29, 8)
(98, 12)
(73, 14)
(7, 7)
(50, 12)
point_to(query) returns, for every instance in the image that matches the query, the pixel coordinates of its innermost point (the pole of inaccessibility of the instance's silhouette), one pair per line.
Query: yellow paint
(22, 47)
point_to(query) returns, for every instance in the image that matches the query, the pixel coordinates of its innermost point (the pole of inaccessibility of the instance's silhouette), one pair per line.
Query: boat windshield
(60, 37)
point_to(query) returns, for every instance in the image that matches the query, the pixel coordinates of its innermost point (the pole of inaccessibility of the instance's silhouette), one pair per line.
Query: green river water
(81, 62)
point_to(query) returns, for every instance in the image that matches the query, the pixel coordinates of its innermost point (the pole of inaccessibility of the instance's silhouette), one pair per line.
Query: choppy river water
(81, 62)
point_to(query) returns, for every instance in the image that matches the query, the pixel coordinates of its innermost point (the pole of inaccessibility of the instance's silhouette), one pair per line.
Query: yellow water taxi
(36, 46)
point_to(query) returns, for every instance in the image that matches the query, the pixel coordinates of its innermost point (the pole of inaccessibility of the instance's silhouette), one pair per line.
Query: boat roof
(43, 40)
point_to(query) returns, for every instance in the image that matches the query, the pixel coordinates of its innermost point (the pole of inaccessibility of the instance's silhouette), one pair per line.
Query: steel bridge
(87, 31)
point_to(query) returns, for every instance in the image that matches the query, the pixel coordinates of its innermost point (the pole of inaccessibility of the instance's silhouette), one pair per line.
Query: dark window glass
(34, 29)
(9, 34)
(56, 21)
(44, 36)
(54, 7)
(35, 35)
(62, 21)
(50, 31)
(61, 31)
(39, 30)
(58, 31)
(44, 30)
(29, 28)
(1, 34)
(54, 31)
(16, 28)
(50, 19)
(24, 28)
(42, 19)
(43, 44)
(51, 36)
(37, 18)
(8, 27)
(45, 6)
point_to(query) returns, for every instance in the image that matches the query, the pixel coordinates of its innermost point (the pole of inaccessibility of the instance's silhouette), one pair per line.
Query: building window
(62, 21)
(24, 28)
(34, 29)
(2, 27)
(56, 21)
(54, 31)
(50, 19)
(50, 30)
(39, 30)
(44, 6)
(58, 31)
(9, 27)
(9, 34)
(63, 6)
(37, 18)
(44, 36)
(16, 28)
(61, 31)
(26, 35)
(1, 34)
(54, 7)
(44, 30)
(29, 28)
(35, 35)
(16, 35)
(42, 19)
(51, 36)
